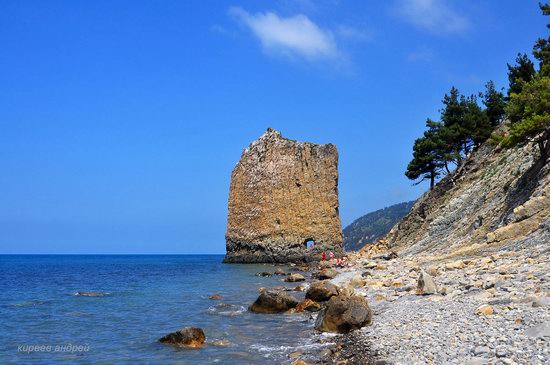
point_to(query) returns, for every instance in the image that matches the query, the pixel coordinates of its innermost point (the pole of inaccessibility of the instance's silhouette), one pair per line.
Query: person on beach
(331, 255)
(323, 256)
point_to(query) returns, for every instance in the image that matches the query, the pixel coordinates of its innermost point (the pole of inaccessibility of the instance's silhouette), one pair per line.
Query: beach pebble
(484, 309)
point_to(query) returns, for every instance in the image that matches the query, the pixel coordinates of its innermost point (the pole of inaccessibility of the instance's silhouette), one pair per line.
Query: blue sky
(122, 120)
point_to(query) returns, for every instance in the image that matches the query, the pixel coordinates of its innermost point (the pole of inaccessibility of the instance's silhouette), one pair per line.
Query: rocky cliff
(283, 194)
(498, 199)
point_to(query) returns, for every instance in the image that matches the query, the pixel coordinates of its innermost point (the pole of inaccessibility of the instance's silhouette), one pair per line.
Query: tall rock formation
(283, 195)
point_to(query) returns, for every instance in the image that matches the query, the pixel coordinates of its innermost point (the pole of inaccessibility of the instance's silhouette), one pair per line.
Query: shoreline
(491, 308)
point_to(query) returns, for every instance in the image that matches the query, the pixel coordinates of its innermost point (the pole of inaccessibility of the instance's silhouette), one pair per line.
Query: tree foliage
(494, 103)
(529, 109)
(426, 163)
(464, 124)
(520, 73)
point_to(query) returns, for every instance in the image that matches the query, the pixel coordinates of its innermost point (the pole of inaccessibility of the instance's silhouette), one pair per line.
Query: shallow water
(148, 296)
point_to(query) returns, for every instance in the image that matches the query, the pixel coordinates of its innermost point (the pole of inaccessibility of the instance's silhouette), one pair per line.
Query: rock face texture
(498, 199)
(283, 195)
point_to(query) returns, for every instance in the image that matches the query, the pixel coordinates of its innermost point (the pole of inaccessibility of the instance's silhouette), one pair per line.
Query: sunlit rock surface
(283, 195)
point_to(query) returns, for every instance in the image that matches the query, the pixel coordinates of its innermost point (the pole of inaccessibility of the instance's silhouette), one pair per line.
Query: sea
(44, 321)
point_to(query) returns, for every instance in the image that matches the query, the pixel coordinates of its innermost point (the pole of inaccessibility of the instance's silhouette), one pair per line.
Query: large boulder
(190, 337)
(321, 291)
(293, 278)
(327, 273)
(271, 301)
(426, 284)
(344, 314)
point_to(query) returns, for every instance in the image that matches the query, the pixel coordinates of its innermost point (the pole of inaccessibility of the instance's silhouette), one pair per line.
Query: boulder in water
(189, 337)
(344, 314)
(292, 278)
(264, 274)
(271, 301)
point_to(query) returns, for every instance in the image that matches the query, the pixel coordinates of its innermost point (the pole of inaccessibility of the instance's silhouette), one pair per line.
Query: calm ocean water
(149, 296)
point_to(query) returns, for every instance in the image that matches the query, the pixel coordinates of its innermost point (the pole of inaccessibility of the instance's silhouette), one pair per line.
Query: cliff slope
(498, 199)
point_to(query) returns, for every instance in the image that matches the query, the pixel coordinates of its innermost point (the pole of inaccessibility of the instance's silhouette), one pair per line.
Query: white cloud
(293, 36)
(437, 16)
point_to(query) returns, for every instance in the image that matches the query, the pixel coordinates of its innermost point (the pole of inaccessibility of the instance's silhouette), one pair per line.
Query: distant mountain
(373, 226)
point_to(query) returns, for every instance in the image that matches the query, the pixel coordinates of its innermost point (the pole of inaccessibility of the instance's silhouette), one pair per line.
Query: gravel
(444, 329)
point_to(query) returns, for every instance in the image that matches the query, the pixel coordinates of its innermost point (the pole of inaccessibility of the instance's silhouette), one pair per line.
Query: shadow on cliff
(523, 189)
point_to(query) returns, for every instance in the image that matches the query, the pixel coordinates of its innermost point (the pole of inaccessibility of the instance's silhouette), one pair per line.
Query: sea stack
(283, 199)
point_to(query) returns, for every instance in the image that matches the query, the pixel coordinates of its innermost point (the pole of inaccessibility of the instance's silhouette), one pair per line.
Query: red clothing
(324, 256)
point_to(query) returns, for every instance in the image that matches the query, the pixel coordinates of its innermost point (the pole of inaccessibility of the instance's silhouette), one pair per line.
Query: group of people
(324, 256)
(341, 262)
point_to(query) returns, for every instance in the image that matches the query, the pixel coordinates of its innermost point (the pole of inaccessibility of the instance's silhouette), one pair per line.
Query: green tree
(523, 71)
(476, 121)
(456, 131)
(529, 114)
(465, 124)
(541, 49)
(495, 104)
(427, 162)
(529, 109)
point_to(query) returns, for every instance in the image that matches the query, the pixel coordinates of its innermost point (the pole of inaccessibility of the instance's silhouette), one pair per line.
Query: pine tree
(541, 49)
(529, 113)
(427, 162)
(519, 74)
(452, 117)
(494, 103)
(476, 121)
(529, 109)
(460, 119)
